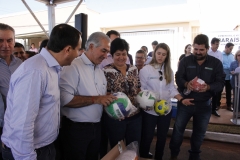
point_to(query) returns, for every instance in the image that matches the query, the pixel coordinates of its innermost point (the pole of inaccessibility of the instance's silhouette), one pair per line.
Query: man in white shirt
(83, 95)
(213, 51)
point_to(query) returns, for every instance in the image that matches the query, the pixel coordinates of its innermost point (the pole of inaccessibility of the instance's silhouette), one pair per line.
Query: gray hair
(95, 39)
(6, 27)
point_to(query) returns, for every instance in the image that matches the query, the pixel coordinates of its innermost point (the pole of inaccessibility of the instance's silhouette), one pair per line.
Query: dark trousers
(228, 89)
(104, 138)
(80, 140)
(149, 122)
(128, 129)
(1, 143)
(44, 153)
(216, 100)
(59, 147)
(201, 113)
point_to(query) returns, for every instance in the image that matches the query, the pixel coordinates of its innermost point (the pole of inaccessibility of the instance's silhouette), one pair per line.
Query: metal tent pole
(29, 9)
(79, 3)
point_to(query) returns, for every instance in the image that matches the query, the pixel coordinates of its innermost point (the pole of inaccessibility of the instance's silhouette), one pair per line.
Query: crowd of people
(52, 103)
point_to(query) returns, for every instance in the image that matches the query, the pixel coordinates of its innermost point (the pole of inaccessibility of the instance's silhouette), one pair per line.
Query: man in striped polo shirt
(8, 63)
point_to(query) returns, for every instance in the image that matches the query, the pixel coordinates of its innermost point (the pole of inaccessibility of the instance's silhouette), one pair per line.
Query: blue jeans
(149, 122)
(201, 113)
(128, 129)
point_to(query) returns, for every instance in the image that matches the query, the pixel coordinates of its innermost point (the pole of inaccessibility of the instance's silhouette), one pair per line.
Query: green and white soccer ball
(162, 107)
(146, 99)
(120, 108)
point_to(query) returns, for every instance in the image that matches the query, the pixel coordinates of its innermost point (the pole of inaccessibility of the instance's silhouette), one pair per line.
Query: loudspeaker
(81, 24)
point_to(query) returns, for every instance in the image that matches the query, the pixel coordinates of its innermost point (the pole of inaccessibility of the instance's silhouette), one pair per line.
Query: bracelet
(92, 99)
(181, 100)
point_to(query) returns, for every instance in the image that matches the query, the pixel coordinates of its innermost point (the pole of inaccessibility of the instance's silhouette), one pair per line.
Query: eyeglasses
(139, 57)
(160, 78)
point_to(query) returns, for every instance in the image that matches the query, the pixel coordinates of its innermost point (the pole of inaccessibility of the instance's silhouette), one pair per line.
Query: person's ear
(91, 46)
(67, 50)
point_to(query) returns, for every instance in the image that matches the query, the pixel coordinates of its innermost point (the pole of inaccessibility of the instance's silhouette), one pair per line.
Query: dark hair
(186, 48)
(61, 36)
(142, 52)
(155, 43)
(145, 47)
(229, 45)
(118, 44)
(30, 53)
(201, 39)
(112, 32)
(43, 44)
(19, 45)
(214, 40)
(6, 27)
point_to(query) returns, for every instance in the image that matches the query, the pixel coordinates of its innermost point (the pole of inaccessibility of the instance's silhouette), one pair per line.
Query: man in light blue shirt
(1, 112)
(33, 103)
(83, 95)
(228, 58)
(8, 65)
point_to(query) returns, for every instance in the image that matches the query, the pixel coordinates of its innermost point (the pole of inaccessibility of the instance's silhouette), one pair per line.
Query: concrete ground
(211, 150)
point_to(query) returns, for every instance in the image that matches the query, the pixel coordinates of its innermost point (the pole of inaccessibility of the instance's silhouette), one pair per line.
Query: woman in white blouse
(157, 77)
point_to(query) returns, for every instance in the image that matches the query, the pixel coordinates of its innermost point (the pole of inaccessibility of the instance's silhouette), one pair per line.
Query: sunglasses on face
(161, 77)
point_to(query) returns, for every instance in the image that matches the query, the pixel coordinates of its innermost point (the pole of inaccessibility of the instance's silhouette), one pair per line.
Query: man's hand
(187, 102)
(105, 100)
(204, 88)
(190, 86)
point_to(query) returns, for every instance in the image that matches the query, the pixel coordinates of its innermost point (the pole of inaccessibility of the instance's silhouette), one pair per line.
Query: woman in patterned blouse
(122, 77)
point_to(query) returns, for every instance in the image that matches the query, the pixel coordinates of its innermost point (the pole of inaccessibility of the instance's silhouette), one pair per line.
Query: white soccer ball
(146, 99)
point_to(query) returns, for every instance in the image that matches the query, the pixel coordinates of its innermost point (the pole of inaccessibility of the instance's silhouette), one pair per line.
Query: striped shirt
(5, 73)
(32, 116)
(1, 111)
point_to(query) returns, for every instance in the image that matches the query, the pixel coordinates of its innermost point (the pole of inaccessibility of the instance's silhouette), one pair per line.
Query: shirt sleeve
(181, 75)
(1, 111)
(26, 95)
(138, 79)
(143, 78)
(232, 66)
(69, 80)
(172, 88)
(109, 81)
